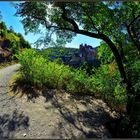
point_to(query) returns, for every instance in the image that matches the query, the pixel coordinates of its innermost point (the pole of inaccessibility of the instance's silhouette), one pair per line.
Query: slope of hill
(10, 43)
(59, 52)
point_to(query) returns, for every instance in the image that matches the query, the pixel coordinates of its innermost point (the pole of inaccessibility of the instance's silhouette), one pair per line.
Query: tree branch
(83, 32)
(133, 20)
(39, 18)
(71, 21)
(130, 29)
(90, 19)
(90, 34)
(76, 28)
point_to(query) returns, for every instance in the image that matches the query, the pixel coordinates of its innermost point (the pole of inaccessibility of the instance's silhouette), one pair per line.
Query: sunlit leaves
(104, 53)
(106, 17)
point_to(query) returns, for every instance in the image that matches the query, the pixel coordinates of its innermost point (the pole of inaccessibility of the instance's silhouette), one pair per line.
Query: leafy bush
(3, 31)
(39, 71)
(32, 67)
(107, 84)
(79, 82)
(57, 75)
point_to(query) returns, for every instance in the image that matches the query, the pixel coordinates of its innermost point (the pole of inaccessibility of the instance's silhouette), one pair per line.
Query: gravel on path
(6, 102)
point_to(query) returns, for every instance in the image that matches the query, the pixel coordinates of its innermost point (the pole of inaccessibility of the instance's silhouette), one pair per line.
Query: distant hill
(59, 52)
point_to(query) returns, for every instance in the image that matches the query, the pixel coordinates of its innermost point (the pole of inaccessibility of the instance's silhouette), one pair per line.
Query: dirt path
(6, 103)
(55, 114)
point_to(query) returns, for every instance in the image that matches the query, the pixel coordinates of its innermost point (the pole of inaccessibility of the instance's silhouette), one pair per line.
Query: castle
(86, 53)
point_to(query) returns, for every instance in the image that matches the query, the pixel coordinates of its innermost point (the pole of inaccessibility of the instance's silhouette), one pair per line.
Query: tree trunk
(130, 101)
(122, 73)
(121, 51)
(118, 59)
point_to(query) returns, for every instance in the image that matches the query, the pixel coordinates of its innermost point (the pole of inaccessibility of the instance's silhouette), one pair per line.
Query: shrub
(79, 82)
(57, 75)
(39, 71)
(107, 84)
(32, 67)
(134, 75)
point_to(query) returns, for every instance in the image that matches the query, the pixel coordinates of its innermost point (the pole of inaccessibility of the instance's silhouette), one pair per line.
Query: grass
(5, 64)
(18, 88)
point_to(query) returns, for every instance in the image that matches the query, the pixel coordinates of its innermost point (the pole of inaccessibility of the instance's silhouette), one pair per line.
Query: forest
(116, 80)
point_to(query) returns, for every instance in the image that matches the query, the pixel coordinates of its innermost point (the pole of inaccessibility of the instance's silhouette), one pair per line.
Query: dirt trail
(6, 103)
(55, 114)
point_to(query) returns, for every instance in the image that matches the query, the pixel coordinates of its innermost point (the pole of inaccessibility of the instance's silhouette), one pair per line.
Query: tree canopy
(99, 20)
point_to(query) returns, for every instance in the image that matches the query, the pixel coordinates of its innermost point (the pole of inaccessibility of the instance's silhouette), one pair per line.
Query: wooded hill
(58, 52)
(10, 43)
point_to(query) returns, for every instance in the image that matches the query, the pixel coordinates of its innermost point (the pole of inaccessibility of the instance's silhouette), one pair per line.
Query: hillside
(57, 52)
(10, 43)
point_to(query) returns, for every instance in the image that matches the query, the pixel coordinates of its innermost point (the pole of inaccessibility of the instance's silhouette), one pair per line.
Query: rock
(24, 134)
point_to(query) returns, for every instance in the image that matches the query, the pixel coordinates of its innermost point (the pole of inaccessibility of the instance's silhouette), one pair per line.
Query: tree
(99, 20)
(130, 23)
(3, 29)
(23, 42)
(133, 32)
(11, 30)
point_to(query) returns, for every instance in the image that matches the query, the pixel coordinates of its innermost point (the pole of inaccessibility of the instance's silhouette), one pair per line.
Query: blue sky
(8, 11)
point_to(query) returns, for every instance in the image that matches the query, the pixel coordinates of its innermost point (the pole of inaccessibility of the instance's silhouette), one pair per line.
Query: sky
(8, 11)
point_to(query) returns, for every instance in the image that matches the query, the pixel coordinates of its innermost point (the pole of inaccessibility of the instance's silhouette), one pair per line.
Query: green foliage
(107, 85)
(3, 33)
(79, 82)
(38, 71)
(3, 29)
(108, 18)
(31, 66)
(104, 53)
(57, 76)
(134, 74)
(57, 52)
(16, 41)
(3, 26)
(23, 42)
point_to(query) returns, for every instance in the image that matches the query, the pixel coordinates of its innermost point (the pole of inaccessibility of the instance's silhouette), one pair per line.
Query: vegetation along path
(53, 114)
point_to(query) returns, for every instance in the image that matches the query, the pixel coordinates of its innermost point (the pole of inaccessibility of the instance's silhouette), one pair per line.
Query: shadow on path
(81, 116)
(90, 121)
(10, 123)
